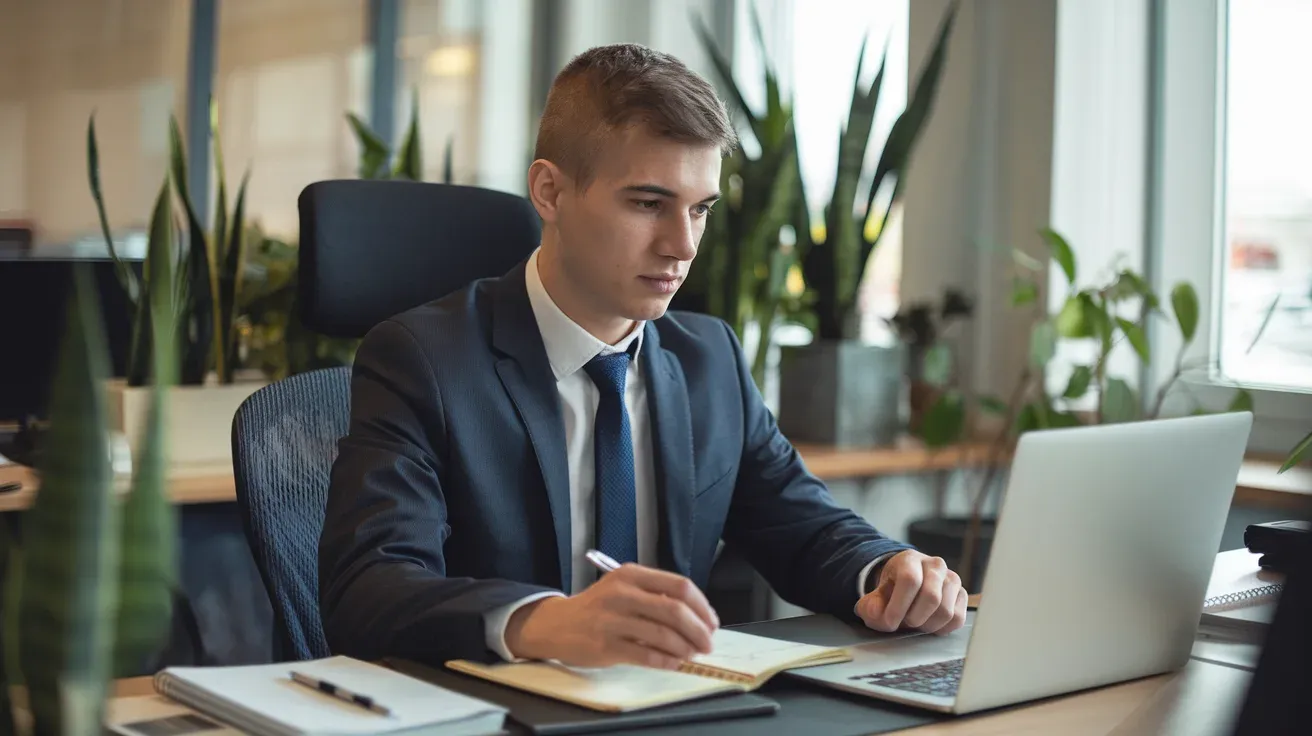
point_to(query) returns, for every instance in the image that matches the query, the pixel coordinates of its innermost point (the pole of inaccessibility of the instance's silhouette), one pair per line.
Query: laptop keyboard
(938, 678)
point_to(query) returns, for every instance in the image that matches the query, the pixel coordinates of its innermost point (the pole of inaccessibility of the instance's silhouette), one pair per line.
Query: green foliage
(748, 247)
(205, 267)
(279, 343)
(835, 263)
(89, 595)
(1106, 315)
(1300, 453)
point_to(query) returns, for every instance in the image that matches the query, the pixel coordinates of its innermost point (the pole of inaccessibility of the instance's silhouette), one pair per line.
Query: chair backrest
(284, 442)
(370, 249)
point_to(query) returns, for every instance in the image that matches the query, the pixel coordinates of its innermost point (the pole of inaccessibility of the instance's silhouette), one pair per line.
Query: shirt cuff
(494, 623)
(865, 573)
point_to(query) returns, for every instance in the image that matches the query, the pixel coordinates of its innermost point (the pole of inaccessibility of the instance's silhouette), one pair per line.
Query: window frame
(1188, 177)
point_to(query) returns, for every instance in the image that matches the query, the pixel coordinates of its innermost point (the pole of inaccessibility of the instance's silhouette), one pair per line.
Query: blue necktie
(616, 519)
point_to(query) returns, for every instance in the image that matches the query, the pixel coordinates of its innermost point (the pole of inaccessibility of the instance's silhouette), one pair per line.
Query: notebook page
(759, 655)
(616, 689)
(1235, 572)
(269, 691)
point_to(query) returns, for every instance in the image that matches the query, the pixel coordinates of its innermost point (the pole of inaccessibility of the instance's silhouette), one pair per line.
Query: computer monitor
(34, 294)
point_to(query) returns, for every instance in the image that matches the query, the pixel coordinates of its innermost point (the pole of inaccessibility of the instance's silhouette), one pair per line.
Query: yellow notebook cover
(738, 662)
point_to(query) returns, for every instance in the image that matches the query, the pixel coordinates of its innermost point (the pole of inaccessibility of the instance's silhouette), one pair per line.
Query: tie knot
(609, 372)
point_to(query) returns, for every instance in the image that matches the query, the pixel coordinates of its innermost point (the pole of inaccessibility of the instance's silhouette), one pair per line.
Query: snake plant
(207, 270)
(89, 594)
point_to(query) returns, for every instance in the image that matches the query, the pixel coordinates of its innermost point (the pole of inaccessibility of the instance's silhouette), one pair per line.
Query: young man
(500, 433)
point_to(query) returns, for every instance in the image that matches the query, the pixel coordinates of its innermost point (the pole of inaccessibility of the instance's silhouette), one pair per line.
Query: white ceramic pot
(199, 421)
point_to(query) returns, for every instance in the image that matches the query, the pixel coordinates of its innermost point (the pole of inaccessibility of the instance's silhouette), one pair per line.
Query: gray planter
(842, 392)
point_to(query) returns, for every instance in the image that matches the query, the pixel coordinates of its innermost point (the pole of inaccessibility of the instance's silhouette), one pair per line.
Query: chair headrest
(371, 249)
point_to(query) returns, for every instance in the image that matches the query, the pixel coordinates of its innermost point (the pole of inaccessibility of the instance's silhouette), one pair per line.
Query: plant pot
(198, 420)
(842, 392)
(944, 537)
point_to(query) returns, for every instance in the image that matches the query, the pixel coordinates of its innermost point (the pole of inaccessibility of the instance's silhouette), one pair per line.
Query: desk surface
(1199, 700)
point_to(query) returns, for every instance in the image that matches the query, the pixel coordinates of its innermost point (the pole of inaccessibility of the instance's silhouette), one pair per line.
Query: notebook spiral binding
(704, 671)
(1242, 596)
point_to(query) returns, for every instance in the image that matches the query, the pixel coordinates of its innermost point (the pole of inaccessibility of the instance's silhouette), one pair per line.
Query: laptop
(1105, 542)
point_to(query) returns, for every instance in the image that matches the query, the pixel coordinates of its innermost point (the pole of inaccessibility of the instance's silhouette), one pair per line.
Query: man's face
(627, 240)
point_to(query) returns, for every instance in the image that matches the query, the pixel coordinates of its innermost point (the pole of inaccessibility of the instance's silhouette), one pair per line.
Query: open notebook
(738, 662)
(263, 700)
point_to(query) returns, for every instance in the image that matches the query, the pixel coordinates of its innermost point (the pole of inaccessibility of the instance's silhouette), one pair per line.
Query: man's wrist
(520, 639)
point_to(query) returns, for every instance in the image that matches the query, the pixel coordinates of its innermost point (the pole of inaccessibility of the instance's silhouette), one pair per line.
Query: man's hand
(634, 615)
(915, 591)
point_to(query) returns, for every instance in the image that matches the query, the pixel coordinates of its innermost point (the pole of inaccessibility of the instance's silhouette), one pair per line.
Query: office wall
(61, 61)
(980, 182)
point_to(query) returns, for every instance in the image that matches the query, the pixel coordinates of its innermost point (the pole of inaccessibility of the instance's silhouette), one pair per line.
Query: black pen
(323, 686)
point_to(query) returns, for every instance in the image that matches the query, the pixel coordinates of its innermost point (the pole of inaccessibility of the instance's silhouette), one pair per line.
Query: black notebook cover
(541, 716)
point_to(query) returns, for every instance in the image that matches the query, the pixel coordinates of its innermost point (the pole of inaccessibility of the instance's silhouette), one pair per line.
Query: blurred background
(1073, 160)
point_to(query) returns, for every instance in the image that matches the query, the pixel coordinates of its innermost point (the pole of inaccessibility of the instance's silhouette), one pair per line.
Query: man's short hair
(607, 88)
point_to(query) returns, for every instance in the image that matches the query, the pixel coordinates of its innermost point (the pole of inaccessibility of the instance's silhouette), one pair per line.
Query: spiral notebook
(738, 662)
(1241, 596)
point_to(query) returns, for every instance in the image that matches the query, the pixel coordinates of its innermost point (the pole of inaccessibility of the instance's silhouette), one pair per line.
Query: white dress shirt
(569, 347)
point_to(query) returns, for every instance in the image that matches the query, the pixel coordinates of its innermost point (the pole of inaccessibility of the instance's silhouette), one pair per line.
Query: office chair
(368, 250)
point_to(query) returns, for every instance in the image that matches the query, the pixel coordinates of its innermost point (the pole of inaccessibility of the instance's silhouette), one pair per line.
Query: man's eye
(703, 209)
(648, 204)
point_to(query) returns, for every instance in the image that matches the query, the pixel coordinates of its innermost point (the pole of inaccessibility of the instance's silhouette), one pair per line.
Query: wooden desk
(200, 486)
(1199, 700)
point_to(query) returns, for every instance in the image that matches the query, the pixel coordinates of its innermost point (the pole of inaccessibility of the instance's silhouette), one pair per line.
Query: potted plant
(278, 343)
(925, 327)
(206, 284)
(1103, 316)
(748, 248)
(89, 591)
(837, 389)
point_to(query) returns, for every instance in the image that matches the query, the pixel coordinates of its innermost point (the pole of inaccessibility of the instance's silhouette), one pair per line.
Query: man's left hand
(915, 591)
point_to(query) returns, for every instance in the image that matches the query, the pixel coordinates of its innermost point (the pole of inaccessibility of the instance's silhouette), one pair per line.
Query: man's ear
(546, 183)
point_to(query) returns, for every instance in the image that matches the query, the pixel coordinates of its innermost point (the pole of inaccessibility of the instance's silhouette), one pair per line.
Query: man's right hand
(634, 615)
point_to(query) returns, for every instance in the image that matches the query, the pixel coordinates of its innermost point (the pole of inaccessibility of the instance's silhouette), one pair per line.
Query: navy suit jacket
(450, 494)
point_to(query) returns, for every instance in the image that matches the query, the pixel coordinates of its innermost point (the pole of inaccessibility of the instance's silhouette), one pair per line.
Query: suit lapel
(527, 377)
(671, 421)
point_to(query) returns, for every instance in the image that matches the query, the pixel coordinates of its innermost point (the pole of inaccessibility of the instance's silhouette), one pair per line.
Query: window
(288, 72)
(1232, 206)
(60, 62)
(1266, 253)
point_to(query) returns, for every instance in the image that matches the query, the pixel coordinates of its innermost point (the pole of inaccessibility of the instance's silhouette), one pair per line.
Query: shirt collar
(569, 346)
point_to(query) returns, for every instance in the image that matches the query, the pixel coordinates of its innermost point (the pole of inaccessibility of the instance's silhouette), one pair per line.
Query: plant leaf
(944, 421)
(204, 285)
(1025, 260)
(1023, 291)
(1074, 320)
(906, 128)
(1184, 300)
(1261, 329)
(1078, 384)
(373, 152)
(1119, 403)
(70, 534)
(1298, 454)
(1242, 401)
(937, 367)
(724, 70)
(993, 405)
(1043, 343)
(1134, 333)
(410, 159)
(1061, 253)
(126, 278)
(448, 161)
(147, 570)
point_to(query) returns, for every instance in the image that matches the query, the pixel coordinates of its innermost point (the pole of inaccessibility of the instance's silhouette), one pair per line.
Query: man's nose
(680, 238)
